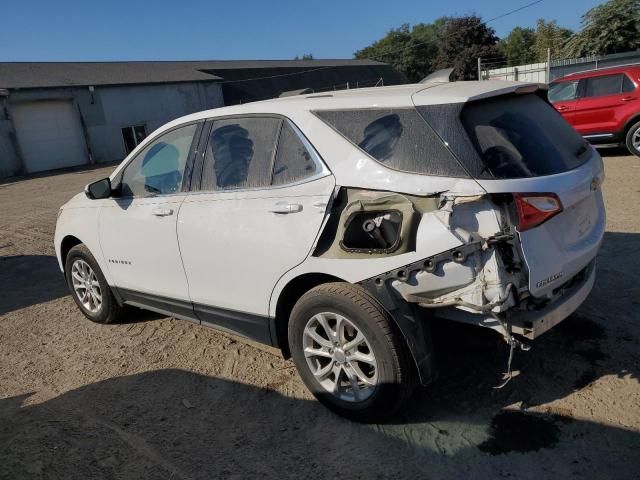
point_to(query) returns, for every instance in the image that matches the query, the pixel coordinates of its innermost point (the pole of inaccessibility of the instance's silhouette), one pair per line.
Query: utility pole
(479, 68)
(548, 65)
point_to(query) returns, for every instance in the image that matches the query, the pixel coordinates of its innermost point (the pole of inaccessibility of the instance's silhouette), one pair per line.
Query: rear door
(263, 197)
(596, 110)
(524, 146)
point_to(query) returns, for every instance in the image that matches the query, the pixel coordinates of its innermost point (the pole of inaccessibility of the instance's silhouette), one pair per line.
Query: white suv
(335, 226)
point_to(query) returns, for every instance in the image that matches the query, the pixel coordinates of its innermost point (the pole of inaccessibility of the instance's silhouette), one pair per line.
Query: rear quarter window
(397, 138)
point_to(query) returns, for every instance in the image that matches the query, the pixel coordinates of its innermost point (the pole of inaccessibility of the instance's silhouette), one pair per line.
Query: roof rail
(600, 69)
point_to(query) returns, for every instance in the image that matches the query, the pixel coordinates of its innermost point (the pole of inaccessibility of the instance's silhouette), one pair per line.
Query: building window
(132, 136)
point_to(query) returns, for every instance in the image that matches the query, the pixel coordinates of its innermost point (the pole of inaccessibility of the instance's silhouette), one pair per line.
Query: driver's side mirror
(98, 190)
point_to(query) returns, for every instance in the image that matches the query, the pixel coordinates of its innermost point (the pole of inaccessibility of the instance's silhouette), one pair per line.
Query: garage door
(49, 134)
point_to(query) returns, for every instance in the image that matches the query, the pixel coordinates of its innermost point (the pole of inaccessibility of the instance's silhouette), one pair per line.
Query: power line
(280, 75)
(514, 11)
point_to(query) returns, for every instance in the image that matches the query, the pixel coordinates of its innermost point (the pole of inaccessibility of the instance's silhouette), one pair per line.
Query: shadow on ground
(176, 424)
(27, 280)
(614, 152)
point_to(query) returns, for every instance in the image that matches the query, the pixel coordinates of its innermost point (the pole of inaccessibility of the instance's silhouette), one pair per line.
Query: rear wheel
(633, 139)
(350, 353)
(89, 288)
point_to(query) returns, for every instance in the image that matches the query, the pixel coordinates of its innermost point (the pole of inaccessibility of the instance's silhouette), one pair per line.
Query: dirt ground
(162, 398)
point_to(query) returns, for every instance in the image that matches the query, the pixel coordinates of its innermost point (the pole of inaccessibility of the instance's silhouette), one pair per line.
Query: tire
(80, 264)
(632, 139)
(393, 377)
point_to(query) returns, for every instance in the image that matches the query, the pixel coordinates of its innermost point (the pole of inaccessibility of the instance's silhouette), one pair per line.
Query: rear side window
(293, 162)
(397, 138)
(240, 153)
(520, 136)
(563, 91)
(605, 85)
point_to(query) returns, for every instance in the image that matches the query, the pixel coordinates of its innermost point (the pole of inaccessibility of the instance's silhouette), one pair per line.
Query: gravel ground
(162, 398)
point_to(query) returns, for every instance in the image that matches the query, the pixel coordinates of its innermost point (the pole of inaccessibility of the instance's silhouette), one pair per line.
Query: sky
(89, 30)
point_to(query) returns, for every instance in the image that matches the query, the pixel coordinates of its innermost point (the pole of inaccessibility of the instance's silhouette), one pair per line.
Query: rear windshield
(522, 136)
(511, 136)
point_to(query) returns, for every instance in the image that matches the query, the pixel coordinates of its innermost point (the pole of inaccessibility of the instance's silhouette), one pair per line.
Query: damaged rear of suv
(362, 216)
(506, 240)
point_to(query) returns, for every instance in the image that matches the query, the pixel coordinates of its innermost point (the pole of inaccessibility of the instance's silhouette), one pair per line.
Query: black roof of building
(66, 74)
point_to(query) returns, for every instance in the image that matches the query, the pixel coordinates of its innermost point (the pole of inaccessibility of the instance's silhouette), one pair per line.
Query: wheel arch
(628, 124)
(68, 242)
(289, 295)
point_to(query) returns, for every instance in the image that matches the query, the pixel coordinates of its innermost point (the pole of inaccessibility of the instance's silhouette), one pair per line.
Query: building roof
(66, 74)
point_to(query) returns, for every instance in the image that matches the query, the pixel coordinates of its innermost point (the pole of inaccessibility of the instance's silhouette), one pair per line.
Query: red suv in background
(602, 105)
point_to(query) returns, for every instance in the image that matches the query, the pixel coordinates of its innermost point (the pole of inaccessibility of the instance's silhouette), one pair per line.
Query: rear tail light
(535, 208)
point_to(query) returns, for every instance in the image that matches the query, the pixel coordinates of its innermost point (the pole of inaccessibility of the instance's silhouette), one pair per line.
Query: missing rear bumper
(533, 324)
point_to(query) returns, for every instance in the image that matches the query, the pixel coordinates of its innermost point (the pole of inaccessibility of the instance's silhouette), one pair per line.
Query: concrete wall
(535, 72)
(105, 111)
(538, 72)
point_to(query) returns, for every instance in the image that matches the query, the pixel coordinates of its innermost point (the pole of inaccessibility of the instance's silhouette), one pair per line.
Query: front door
(138, 228)
(262, 201)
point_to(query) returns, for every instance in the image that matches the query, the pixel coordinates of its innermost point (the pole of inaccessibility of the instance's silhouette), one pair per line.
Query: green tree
(518, 48)
(462, 41)
(611, 27)
(411, 51)
(550, 35)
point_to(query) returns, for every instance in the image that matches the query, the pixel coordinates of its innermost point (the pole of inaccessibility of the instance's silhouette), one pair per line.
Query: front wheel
(89, 288)
(633, 139)
(350, 353)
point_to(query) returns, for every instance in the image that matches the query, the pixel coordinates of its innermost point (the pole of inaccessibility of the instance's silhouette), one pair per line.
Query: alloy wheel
(340, 357)
(635, 140)
(86, 286)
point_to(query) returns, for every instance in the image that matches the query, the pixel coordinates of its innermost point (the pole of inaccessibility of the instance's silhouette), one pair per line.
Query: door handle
(562, 108)
(162, 212)
(284, 207)
(627, 99)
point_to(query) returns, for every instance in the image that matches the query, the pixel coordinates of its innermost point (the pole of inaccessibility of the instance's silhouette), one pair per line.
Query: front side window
(159, 168)
(398, 138)
(240, 153)
(605, 85)
(562, 91)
